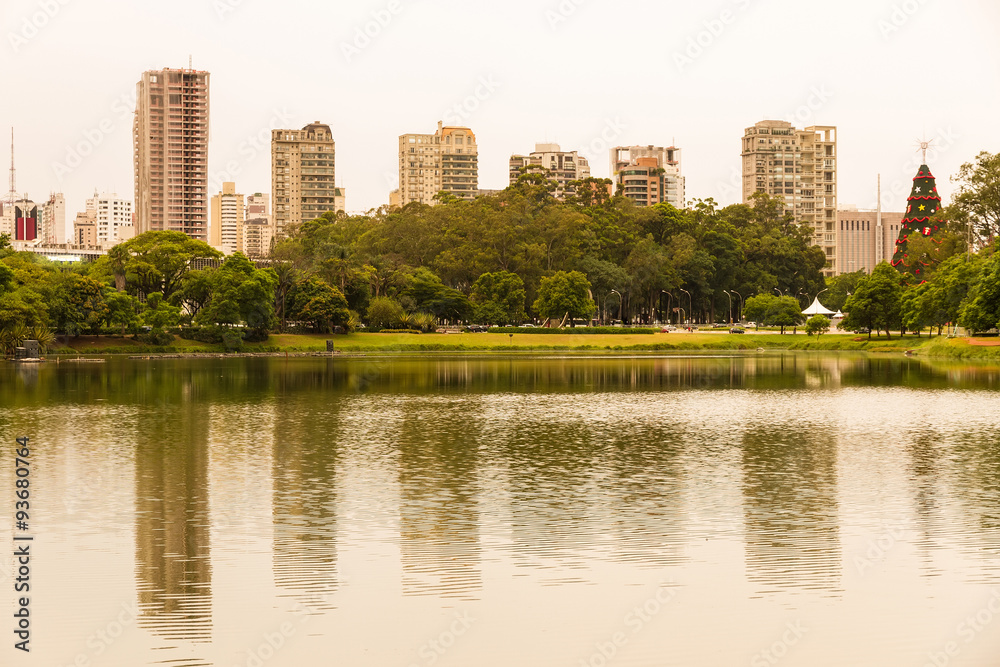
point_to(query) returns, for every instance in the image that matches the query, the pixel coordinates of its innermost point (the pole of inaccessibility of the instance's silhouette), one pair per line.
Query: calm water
(754, 510)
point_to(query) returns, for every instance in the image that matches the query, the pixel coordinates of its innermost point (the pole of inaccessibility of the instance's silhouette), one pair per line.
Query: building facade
(799, 166)
(667, 184)
(302, 175)
(113, 217)
(170, 134)
(561, 167)
(85, 230)
(52, 227)
(865, 238)
(446, 161)
(258, 230)
(227, 219)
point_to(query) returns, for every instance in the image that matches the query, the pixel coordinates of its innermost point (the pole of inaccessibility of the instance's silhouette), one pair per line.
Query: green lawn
(371, 342)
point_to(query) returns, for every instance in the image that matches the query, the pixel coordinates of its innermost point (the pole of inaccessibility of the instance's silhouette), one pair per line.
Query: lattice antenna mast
(12, 195)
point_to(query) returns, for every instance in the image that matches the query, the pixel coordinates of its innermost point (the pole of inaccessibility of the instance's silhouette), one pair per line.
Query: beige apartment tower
(562, 167)
(302, 176)
(170, 134)
(446, 161)
(227, 219)
(799, 166)
(258, 229)
(649, 175)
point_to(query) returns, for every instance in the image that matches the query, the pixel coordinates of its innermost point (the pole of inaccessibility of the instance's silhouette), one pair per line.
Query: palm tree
(118, 258)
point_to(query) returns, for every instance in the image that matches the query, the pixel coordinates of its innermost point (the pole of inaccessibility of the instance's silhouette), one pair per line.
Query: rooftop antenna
(879, 230)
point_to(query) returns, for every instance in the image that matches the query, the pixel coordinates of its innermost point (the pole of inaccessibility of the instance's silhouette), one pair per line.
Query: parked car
(719, 325)
(737, 330)
(477, 328)
(863, 330)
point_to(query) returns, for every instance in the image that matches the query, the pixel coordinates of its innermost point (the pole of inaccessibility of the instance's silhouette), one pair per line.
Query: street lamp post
(778, 291)
(669, 303)
(614, 291)
(740, 312)
(690, 306)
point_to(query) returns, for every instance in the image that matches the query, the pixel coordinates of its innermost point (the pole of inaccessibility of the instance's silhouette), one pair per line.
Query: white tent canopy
(817, 309)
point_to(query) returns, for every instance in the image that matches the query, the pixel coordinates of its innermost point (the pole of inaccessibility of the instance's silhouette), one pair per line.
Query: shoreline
(363, 344)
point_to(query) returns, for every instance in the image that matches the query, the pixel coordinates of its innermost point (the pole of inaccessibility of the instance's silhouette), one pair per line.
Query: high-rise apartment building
(562, 167)
(258, 229)
(227, 219)
(865, 238)
(171, 152)
(446, 161)
(52, 227)
(799, 166)
(649, 183)
(85, 230)
(302, 175)
(112, 217)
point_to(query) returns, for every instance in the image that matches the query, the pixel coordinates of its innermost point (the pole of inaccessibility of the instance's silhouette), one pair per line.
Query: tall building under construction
(170, 135)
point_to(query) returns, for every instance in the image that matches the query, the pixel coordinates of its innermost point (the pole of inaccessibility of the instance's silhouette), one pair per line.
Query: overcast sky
(587, 74)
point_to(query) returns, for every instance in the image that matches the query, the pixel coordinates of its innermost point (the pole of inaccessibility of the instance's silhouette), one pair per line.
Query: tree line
(506, 258)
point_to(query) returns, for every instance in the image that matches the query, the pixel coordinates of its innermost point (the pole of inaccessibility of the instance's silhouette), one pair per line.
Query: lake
(756, 509)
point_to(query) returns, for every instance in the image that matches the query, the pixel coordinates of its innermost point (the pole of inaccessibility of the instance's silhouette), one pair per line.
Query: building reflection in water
(173, 555)
(790, 508)
(439, 497)
(305, 498)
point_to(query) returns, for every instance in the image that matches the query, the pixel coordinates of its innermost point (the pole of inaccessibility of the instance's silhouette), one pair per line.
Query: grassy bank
(368, 342)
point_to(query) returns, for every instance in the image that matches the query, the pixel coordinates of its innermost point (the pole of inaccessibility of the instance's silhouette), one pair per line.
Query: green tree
(318, 303)
(817, 324)
(241, 294)
(158, 261)
(122, 310)
(498, 298)
(429, 295)
(978, 195)
(565, 295)
(159, 314)
(77, 305)
(981, 311)
(875, 304)
(384, 313)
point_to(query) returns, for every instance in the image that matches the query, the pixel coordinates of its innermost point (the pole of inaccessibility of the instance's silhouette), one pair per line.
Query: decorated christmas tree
(921, 207)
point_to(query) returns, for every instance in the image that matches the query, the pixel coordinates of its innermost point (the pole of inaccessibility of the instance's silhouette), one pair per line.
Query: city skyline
(705, 89)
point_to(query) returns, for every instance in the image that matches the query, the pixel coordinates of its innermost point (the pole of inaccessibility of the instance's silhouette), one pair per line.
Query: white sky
(884, 72)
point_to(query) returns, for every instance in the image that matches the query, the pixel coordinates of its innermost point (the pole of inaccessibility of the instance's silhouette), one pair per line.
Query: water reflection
(304, 503)
(172, 548)
(790, 508)
(439, 497)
